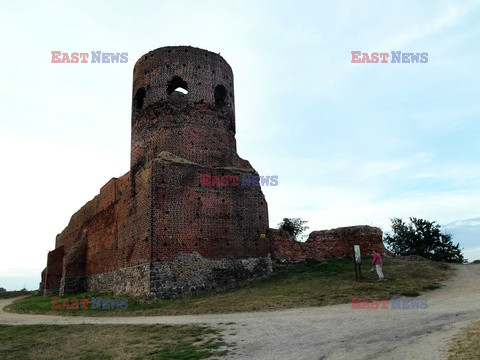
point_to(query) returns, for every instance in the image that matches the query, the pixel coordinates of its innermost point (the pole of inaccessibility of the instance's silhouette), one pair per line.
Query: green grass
(311, 284)
(466, 344)
(12, 294)
(110, 342)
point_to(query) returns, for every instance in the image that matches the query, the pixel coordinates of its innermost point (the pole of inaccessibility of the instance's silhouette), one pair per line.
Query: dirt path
(330, 332)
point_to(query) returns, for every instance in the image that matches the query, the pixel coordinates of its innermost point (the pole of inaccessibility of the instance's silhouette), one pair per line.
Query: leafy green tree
(294, 226)
(423, 238)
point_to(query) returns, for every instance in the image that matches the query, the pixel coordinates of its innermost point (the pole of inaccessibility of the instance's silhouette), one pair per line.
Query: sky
(351, 143)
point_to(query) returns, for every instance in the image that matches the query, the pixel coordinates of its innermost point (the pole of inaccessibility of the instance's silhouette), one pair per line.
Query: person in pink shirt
(377, 262)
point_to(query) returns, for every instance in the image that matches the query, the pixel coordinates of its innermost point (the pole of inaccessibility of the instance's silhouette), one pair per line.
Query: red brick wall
(54, 269)
(216, 222)
(75, 260)
(117, 225)
(335, 243)
(119, 235)
(284, 247)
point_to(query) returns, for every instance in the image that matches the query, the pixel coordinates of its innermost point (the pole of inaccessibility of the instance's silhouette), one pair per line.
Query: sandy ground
(330, 332)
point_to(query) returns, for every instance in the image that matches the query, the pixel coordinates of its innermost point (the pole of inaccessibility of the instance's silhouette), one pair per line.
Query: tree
(423, 238)
(294, 226)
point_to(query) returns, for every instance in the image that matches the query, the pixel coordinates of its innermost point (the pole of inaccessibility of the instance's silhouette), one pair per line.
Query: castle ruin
(156, 231)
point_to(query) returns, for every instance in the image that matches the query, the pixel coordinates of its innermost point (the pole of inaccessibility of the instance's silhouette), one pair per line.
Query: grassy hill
(311, 284)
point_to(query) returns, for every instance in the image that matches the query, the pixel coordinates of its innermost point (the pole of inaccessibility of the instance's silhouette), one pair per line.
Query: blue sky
(351, 143)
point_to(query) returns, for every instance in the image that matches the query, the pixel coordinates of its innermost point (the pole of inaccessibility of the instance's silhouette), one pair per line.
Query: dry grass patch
(109, 342)
(466, 345)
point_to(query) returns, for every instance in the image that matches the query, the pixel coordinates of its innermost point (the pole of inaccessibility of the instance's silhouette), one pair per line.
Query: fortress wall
(134, 280)
(216, 222)
(119, 234)
(74, 277)
(53, 273)
(190, 272)
(335, 243)
(109, 193)
(338, 243)
(284, 248)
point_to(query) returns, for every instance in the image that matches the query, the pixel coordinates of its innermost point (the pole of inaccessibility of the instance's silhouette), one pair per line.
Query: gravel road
(330, 332)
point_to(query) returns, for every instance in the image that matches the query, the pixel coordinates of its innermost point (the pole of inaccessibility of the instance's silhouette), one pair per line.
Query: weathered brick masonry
(156, 231)
(335, 243)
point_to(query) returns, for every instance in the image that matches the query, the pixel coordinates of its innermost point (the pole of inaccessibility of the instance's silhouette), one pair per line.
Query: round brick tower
(183, 103)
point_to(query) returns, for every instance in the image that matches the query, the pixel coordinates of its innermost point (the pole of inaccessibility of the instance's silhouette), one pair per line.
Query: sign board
(358, 255)
(357, 261)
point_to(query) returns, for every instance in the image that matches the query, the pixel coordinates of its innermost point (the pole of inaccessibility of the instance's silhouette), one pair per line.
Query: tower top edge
(180, 51)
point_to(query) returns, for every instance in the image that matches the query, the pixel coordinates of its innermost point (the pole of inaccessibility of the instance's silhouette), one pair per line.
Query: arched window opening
(177, 84)
(139, 98)
(220, 96)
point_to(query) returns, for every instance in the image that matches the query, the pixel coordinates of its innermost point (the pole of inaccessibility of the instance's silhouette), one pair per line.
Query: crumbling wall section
(338, 243)
(74, 277)
(54, 270)
(284, 248)
(325, 244)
